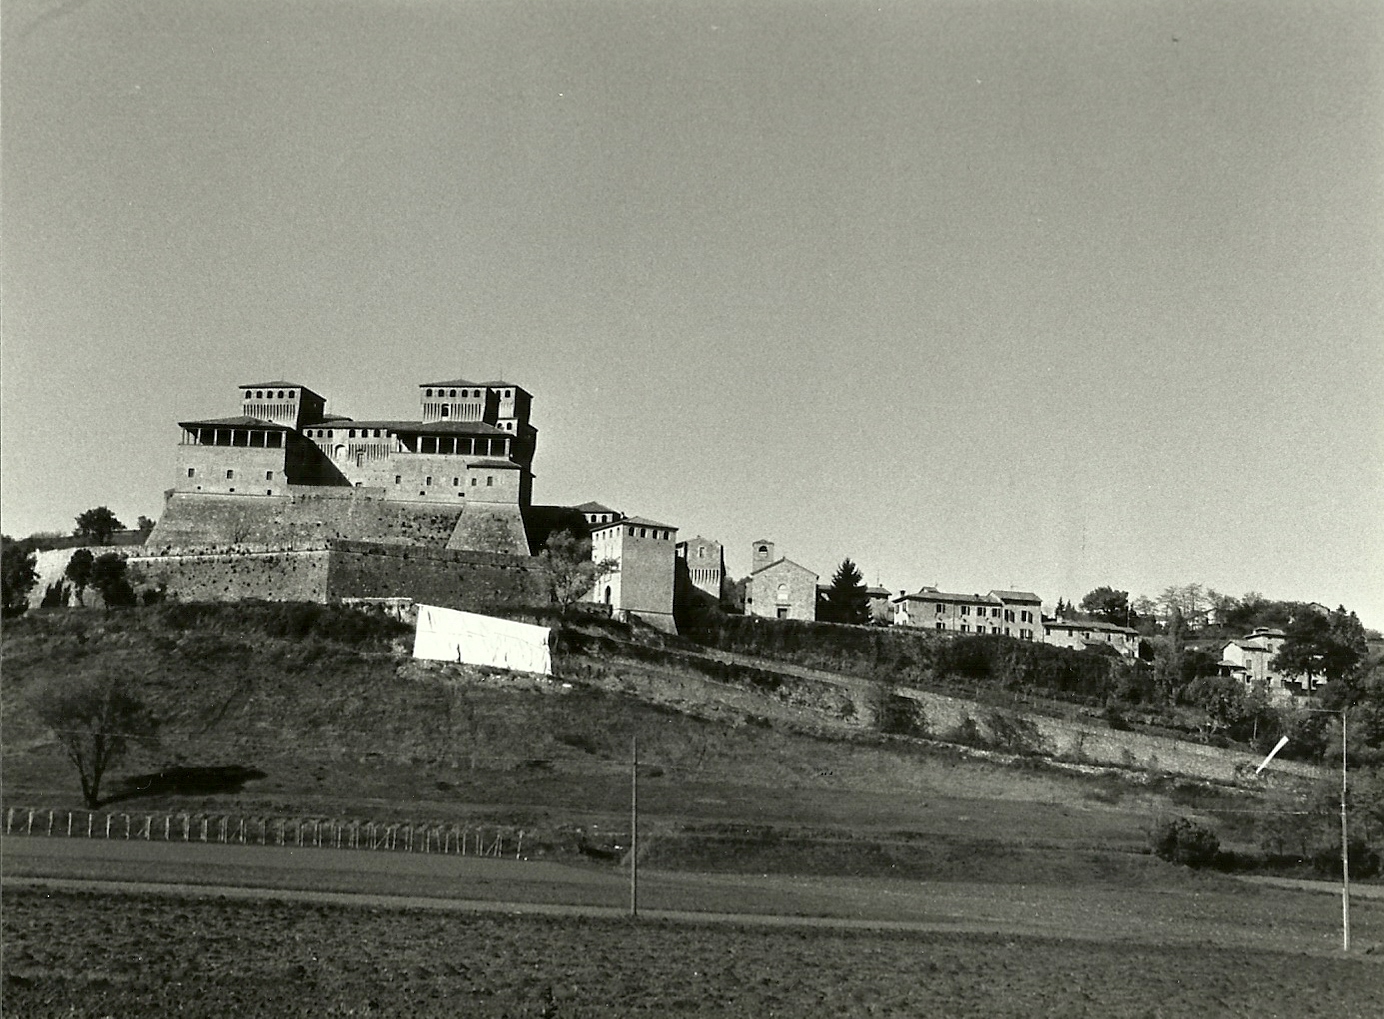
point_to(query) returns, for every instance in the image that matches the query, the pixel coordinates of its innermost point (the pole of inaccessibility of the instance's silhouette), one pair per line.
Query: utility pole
(634, 826)
(1345, 847)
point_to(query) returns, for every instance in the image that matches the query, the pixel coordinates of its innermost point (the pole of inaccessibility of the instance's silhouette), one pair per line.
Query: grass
(268, 710)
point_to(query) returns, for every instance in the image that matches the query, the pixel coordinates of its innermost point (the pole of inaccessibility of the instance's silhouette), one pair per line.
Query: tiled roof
(1024, 596)
(778, 562)
(494, 463)
(634, 521)
(594, 507)
(1074, 624)
(241, 422)
(877, 592)
(275, 385)
(451, 382)
(932, 594)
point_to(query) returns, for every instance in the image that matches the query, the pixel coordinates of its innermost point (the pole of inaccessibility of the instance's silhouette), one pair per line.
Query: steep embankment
(306, 709)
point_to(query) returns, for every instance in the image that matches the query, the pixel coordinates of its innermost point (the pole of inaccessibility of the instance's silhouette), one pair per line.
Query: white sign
(446, 635)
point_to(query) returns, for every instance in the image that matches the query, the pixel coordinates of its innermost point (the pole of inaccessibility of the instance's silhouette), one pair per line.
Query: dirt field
(100, 954)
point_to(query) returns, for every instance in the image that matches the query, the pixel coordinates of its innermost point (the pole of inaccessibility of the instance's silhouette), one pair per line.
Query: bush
(1014, 734)
(1364, 860)
(1182, 840)
(902, 716)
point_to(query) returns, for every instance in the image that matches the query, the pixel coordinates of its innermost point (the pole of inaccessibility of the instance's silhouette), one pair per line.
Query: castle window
(642, 533)
(631, 532)
(352, 434)
(763, 549)
(454, 392)
(965, 610)
(473, 482)
(507, 394)
(377, 433)
(247, 394)
(398, 479)
(192, 472)
(427, 392)
(489, 481)
(230, 475)
(446, 410)
(259, 395)
(428, 480)
(329, 433)
(281, 394)
(268, 475)
(455, 482)
(292, 394)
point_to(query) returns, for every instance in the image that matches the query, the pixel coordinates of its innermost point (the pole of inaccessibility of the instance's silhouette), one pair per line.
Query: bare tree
(95, 719)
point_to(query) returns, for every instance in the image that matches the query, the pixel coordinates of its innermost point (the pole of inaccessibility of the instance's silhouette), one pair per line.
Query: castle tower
(284, 403)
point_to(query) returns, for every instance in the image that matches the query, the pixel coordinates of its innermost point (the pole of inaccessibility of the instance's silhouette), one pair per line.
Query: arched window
(292, 394)
(446, 410)
(329, 433)
(427, 392)
(352, 434)
(783, 592)
(247, 394)
(281, 394)
(454, 392)
(259, 394)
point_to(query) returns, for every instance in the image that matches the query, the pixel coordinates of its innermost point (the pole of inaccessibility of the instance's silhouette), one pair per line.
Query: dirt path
(1222, 911)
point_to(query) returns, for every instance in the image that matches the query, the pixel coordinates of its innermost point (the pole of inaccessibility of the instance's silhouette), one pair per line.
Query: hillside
(307, 711)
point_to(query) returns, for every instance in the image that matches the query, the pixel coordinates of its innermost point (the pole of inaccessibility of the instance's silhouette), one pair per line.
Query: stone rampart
(296, 575)
(305, 518)
(451, 578)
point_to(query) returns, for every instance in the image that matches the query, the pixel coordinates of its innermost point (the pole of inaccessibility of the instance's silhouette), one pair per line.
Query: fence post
(50, 824)
(108, 826)
(167, 826)
(30, 830)
(127, 824)
(9, 820)
(90, 817)
(148, 827)
(519, 845)
(69, 824)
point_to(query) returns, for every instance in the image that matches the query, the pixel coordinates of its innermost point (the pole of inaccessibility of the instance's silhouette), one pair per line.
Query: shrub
(1364, 860)
(901, 716)
(1182, 840)
(1014, 734)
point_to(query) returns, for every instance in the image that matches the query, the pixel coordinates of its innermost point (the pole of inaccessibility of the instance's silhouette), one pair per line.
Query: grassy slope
(360, 730)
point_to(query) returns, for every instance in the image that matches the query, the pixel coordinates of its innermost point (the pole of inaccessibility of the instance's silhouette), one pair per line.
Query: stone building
(642, 583)
(1091, 633)
(284, 471)
(1249, 660)
(704, 561)
(779, 588)
(1008, 613)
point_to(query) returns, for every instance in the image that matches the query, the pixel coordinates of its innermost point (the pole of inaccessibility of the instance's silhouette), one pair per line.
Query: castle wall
(452, 579)
(305, 517)
(232, 576)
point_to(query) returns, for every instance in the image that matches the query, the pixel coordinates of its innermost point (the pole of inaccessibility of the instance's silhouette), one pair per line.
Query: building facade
(1076, 634)
(704, 561)
(642, 582)
(1007, 613)
(779, 588)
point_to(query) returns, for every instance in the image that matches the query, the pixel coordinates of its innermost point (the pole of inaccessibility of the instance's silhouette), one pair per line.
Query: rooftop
(241, 422)
(447, 427)
(1024, 596)
(594, 507)
(275, 385)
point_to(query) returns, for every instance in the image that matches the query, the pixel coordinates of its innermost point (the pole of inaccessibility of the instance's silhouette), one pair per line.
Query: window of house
(965, 628)
(473, 482)
(701, 553)
(230, 475)
(763, 549)
(965, 610)
(941, 626)
(192, 472)
(455, 482)
(994, 629)
(428, 480)
(489, 481)
(427, 392)
(940, 608)
(398, 479)
(994, 613)
(268, 475)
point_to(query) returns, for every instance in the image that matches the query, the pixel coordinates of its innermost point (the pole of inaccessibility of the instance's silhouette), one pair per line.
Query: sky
(986, 294)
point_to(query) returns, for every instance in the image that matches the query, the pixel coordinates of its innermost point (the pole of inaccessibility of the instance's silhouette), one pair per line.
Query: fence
(314, 833)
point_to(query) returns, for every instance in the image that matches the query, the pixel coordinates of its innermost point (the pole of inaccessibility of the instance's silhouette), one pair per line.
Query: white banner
(446, 635)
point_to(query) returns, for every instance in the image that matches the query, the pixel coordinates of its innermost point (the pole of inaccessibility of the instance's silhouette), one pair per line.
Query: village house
(1008, 613)
(1091, 633)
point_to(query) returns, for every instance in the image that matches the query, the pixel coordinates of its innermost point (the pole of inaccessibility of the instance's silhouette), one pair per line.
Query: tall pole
(634, 825)
(1345, 847)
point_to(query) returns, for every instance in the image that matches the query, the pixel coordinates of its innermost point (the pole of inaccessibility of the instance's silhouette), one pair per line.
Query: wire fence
(457, 839)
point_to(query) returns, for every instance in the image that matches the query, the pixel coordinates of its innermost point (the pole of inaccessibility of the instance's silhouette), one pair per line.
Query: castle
(284, 472)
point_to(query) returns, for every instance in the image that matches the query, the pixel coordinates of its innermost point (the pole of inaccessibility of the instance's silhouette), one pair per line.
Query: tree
(95, 719)
(98, 525)
(1321, 645)
(1109, 605)
(18, 574)
(145, 527)
(1221, 697)
(79, 571)
(571, 570)
(848, 599)
(110, 576)
(1182, 840)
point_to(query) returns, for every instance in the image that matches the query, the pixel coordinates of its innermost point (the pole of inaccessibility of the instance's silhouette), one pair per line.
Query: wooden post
(634, 826)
